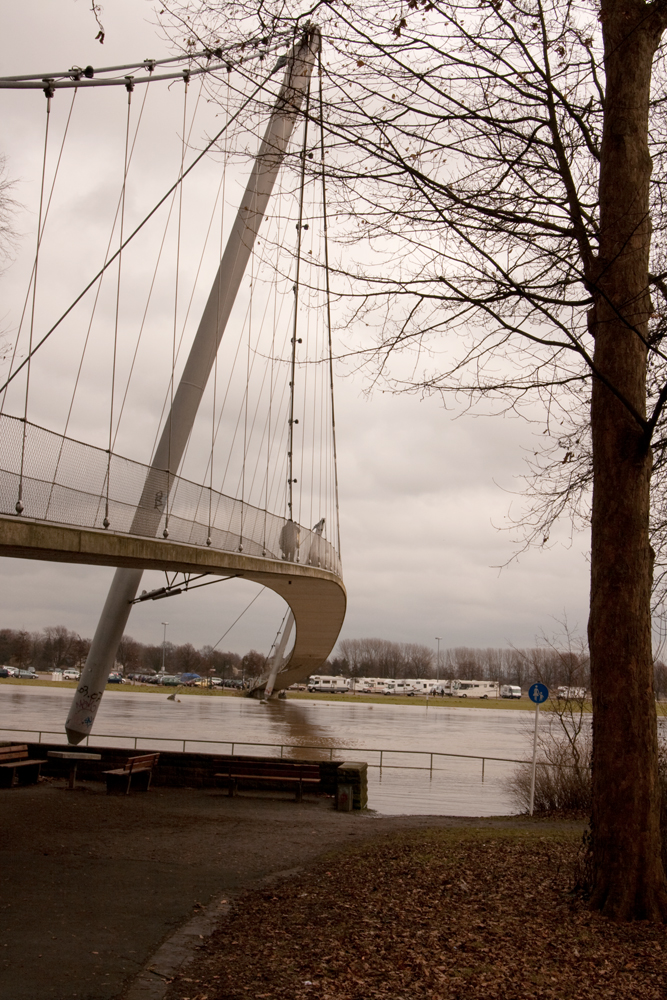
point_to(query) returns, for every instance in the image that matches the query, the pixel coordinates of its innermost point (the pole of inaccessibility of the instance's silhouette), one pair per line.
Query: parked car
(115, 678)
(4, 672)
(28, 675)
(71, 674)
(11, 671)
(169, 680)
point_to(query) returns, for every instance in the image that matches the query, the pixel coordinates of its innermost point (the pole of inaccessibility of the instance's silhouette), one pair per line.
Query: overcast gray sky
(424, 491)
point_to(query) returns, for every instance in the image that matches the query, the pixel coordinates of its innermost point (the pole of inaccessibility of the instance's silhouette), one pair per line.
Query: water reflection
(406, 740)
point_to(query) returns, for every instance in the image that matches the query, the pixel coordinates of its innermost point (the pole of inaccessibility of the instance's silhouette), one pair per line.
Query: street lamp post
(438, 639)
(164, 644)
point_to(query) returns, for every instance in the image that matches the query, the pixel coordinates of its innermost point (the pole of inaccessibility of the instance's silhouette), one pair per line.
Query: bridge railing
(65, 481)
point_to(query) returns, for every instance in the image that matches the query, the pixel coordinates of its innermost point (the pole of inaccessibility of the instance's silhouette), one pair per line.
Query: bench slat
(13, 753)
(280, 772)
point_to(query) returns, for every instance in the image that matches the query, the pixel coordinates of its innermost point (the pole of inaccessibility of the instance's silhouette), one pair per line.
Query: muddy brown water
(407, 735)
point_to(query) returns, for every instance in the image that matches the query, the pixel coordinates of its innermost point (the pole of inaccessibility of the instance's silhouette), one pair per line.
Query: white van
(510, 691)
(474, 689)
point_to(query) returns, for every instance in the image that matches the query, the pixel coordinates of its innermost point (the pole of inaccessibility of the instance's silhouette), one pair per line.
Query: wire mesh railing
(65, 481)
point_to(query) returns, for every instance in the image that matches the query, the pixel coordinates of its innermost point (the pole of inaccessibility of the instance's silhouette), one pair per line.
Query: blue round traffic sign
(538, 693)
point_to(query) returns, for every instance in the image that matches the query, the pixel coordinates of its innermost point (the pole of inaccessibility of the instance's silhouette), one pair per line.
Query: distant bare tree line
(548, 664)
(56, 647)
(382, 658)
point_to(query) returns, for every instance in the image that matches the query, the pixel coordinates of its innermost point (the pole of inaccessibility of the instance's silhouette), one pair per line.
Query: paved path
(101, 896)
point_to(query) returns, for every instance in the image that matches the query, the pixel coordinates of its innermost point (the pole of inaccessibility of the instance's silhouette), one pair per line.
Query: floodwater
(406, 735)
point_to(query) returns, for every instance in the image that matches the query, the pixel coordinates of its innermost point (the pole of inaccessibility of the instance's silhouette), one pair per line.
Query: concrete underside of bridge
(317, 597)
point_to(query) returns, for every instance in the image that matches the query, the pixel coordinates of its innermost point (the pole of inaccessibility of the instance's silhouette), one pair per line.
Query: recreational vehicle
(474, 689)
(331, 685)
(399, 688)
(510, 691)
(423, 686)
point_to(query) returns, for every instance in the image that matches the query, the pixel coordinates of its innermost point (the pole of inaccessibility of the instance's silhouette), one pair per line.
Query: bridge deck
(316, 596)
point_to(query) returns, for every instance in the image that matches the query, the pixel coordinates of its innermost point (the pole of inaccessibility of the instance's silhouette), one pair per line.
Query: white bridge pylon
(193, 381)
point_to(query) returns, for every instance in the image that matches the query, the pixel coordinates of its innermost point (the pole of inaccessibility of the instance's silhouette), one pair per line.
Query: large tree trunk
(629, 881)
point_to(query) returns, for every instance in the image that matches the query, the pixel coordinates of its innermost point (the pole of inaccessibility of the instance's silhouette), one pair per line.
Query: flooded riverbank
(416, 745)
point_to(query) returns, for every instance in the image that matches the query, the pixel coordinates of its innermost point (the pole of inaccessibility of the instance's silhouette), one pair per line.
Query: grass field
(504, 704)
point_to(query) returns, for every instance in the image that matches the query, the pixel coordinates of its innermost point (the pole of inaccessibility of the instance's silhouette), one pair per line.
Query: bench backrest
(143, 761)
(278, 768)
(9, 754)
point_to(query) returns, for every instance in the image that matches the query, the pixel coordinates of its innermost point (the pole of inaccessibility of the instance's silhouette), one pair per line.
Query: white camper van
(510, 691)
(331, 685)
(423, 686)
(474, 689)
(399, 687)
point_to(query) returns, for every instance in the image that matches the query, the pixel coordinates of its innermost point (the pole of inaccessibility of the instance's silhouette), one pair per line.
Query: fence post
(330, 753)
(381, 752)
(483, 768)
(431, 767)
(135, 742)
(233, 749)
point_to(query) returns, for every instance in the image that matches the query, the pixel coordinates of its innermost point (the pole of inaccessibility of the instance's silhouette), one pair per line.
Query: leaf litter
(440, 915)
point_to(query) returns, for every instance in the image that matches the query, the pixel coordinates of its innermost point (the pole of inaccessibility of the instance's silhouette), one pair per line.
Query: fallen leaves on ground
(438, 916)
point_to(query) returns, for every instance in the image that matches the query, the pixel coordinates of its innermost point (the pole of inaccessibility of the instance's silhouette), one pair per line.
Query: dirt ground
(446, 914)
(93, 887)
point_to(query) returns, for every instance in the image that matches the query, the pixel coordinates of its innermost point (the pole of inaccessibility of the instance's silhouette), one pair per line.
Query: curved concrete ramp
(316, 596)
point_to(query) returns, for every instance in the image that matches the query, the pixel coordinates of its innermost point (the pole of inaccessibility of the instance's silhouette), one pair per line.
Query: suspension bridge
(240, 480)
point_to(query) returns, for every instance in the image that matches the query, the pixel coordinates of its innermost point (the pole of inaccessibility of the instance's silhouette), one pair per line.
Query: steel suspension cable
(239, 617)
(290, 466)
(176, 280)
(215, 363)
(40, 237)
(19, 502)
(92, 315)
(106, 522)
(328, 302)
(141, 225)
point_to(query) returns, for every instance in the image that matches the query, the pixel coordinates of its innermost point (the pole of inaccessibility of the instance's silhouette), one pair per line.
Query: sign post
(537, 694)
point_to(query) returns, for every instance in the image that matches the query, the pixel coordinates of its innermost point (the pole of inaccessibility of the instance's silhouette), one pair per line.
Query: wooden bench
(14, 762)
(136, 771)
(288, 774)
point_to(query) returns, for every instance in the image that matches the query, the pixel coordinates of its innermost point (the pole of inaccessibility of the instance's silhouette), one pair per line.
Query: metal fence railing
(68, 482)
(380, 757)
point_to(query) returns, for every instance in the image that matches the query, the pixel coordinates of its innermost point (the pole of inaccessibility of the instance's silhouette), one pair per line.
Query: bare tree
(493, 162)
(383, 658)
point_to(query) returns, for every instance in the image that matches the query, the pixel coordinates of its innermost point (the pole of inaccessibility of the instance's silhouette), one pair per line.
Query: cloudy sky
(425, 492)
